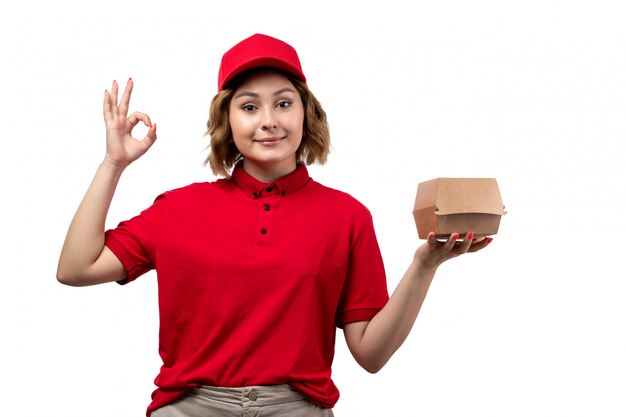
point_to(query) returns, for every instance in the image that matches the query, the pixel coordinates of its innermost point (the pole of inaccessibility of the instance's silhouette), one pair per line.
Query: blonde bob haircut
(223, 154)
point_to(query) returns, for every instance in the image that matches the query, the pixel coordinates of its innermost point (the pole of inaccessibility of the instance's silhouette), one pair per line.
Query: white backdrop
(532, 93)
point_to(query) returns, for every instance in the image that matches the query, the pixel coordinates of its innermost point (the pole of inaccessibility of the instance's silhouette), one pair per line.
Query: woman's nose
(269, 121)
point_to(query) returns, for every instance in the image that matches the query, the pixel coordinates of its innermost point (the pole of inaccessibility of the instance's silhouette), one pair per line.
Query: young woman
(257, 269)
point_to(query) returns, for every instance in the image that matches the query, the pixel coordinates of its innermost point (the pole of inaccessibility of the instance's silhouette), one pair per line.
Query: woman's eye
(248, 107)
(284, 103)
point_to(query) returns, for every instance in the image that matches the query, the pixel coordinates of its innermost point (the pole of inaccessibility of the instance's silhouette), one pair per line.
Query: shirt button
(263, 231)
(283, 192)
(268, 189)
(253, 396)
(254, 195)
(266, 207)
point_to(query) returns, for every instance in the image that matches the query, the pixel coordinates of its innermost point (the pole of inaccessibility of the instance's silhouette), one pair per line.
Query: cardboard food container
(458, 205)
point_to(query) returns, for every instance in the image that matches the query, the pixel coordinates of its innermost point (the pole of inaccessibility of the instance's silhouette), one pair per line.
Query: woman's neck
(270, 172)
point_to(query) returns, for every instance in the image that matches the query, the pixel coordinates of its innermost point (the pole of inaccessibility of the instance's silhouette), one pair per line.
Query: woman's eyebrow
(246, 94)
(255, 95)
(283, 90)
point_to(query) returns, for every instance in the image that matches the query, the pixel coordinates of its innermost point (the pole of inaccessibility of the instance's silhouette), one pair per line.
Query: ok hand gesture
(122, 148)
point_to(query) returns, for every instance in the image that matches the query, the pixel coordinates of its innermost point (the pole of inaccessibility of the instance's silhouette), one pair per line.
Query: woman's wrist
(111, 167)
(422, 270)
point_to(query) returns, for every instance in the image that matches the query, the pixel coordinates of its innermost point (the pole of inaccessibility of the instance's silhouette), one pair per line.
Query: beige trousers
(258, 401)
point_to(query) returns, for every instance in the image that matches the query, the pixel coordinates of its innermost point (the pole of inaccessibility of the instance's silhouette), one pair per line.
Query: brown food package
(458, 205)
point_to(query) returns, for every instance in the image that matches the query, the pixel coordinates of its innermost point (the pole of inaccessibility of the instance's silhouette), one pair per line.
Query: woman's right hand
(122, 148)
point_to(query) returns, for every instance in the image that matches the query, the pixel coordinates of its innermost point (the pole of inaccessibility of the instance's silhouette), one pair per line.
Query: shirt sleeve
(134, 242)
(365, 288)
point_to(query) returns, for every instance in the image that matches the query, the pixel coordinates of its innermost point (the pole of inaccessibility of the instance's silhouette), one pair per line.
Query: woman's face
(266, 118)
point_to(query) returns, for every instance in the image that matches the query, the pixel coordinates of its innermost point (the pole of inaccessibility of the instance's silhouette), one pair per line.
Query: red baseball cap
(259, 51)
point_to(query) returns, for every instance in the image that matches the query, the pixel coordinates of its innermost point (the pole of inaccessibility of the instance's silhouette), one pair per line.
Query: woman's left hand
(433, 253)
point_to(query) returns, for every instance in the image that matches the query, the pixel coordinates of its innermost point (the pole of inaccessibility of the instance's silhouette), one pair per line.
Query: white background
(532, 93)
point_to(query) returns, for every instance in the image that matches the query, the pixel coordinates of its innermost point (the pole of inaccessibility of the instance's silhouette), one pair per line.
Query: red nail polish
(470, 235)
(489, 240)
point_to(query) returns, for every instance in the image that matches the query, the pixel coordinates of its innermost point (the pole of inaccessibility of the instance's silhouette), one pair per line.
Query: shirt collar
(254, 188)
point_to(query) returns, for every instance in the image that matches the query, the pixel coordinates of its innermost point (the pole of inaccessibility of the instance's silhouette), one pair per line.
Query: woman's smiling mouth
(269, 141)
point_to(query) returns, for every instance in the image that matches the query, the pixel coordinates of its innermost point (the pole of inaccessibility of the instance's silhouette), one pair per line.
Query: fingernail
(489, 240)
(470, 235)
(455, 236)
(130, 79)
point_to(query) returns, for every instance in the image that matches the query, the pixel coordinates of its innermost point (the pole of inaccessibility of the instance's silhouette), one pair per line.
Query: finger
(106, 106)
(478, 239)
(467, 242)
(125, 100)
(113, 100)
(150, 137)
(431, 239)
(152, 133)
(137, 116)
(447, 247)
(480, 245)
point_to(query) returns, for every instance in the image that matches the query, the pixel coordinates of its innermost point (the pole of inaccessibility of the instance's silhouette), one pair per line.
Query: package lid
(460, 195)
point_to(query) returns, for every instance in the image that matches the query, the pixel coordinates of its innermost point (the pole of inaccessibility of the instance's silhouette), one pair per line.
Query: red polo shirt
(253, 278)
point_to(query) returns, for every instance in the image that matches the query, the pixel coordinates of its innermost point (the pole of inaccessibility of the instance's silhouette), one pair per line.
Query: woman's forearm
(374, 342)
(85, 237)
